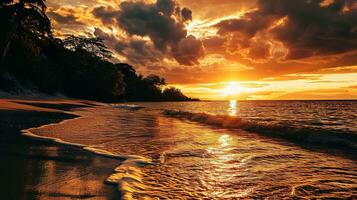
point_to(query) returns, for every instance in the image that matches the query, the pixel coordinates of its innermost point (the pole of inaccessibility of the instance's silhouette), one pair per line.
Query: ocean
(221, 149)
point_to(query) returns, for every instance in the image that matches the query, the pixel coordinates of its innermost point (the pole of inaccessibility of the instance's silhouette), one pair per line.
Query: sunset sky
(224, 49)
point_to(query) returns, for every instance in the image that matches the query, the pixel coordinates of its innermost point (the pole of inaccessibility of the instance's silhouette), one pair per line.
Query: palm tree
(23, 16)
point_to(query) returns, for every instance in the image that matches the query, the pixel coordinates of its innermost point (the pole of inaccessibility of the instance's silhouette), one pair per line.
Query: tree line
(75, 66)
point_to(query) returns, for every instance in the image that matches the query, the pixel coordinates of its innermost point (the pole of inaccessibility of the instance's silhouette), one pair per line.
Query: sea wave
(127, 106)
(305, 135)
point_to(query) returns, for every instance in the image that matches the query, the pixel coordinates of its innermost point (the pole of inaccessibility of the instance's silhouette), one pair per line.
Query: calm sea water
(224, 150)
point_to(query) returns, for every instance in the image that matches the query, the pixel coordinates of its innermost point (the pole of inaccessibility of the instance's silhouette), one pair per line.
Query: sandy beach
(41, 170)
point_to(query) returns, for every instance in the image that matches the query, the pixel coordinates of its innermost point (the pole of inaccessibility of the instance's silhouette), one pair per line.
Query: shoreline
(49, 167)
(44, 169)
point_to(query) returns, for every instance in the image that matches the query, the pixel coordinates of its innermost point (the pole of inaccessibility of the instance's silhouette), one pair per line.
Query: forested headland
(32, 58)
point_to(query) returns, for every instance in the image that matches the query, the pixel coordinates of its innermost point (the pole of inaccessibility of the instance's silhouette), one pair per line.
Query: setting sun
(231, 89)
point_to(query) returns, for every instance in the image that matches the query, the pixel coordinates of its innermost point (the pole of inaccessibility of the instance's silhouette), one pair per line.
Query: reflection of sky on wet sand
(57, 172)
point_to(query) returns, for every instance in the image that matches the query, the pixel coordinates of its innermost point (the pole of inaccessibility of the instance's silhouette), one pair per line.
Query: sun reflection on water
(224, 140)
(223, 161)
(232, 109)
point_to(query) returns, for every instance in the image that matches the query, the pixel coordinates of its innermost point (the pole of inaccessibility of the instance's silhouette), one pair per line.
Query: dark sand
(32, 169)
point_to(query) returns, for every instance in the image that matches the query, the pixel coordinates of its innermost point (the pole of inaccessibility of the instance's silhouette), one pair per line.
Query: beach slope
(41, 170)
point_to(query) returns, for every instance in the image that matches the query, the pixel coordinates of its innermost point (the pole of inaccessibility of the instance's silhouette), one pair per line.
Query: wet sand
(32, 169)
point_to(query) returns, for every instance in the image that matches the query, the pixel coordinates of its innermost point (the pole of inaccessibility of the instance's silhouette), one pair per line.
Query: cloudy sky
(220, 49)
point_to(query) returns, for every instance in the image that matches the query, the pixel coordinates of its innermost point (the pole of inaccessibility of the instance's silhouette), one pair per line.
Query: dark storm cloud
(188, 50)
(249, 25)
(106, 14)
(142, 52)
(186, 14)
(136, 51)
(62, 18)
(154, 20)
(307, 27)
(164, 22)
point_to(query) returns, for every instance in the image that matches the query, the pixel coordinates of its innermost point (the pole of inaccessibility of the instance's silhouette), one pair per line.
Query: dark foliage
(92, 45)
(22, 16)
(76, 66)
(150, 88)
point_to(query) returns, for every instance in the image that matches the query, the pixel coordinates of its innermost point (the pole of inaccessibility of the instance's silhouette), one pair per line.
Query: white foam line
(127, 106)
(127, 176)
(28, 133)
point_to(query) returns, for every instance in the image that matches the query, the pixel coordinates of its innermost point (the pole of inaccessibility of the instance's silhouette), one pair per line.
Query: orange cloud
(210, 41)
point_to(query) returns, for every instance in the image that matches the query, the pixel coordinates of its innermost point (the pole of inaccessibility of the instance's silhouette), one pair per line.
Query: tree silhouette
(155, 80)
(172, 93)
(93, 45)
(23, 16)
(76, 66)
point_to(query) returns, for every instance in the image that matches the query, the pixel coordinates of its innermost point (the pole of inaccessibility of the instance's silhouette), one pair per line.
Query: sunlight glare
(232, 110)
(224, 140)
(231, 89)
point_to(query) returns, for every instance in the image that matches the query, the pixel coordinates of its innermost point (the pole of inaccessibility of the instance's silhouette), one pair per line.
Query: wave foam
(316, 136)
(127, 106)
(128, 177)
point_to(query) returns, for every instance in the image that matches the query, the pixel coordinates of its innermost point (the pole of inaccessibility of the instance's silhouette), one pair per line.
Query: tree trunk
(5, 49)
